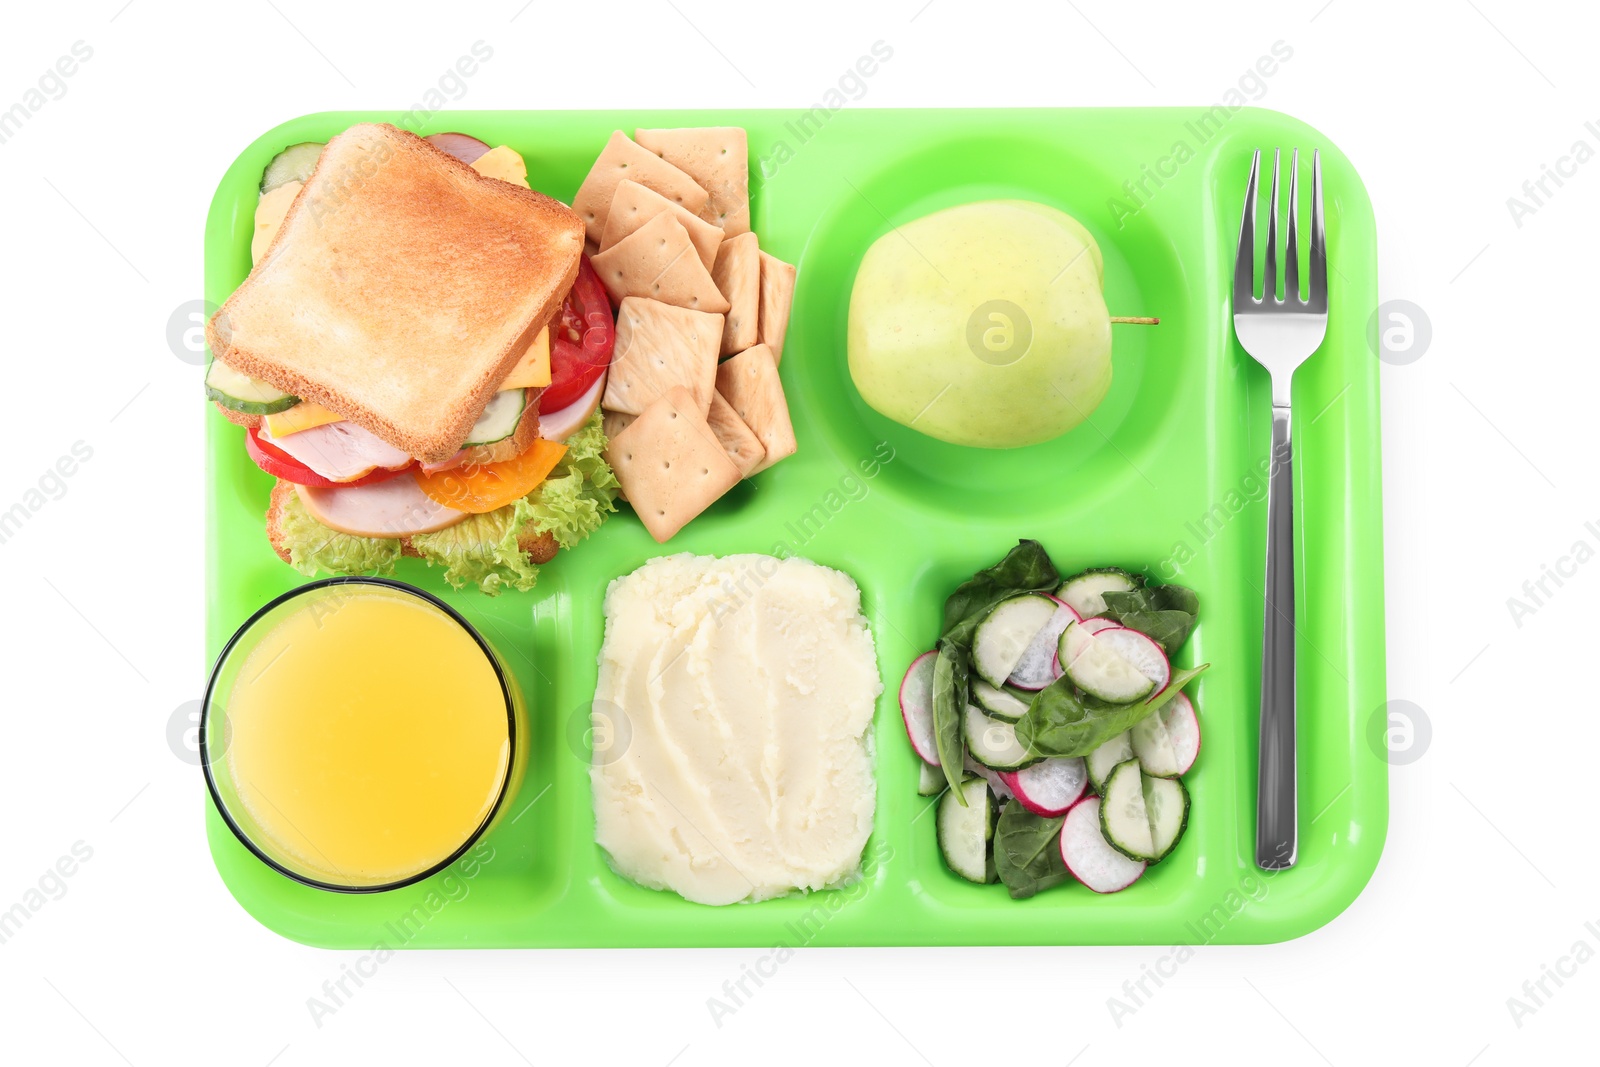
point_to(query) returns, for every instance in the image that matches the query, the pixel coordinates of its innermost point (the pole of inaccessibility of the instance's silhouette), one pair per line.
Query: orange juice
(367, 735)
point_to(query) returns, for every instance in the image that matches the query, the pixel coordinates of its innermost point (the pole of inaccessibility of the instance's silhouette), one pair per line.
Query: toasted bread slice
(401, 289)
(540, 547)
(239, 418)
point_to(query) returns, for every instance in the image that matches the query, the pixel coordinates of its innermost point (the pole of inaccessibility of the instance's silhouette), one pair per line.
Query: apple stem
(1136, 320)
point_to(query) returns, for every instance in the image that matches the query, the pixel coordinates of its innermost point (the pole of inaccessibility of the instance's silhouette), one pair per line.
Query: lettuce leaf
(314, 547)
(481, 549)
(582, 490)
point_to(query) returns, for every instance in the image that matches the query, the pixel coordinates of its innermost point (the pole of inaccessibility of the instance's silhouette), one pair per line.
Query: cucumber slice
(1123, 818)
(1000, 703)
(499, 420)
(993, 742)
(1086, 591)
(930, 780)
(1103, 760)
(293, 164)
(965, 832)
(1005, 633)
(1153, 747)
(1166, 805)
(1168, 741)
(1095, 666)
(242, 393)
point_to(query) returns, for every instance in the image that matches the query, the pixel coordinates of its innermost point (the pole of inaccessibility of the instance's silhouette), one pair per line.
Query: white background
(1488, 452)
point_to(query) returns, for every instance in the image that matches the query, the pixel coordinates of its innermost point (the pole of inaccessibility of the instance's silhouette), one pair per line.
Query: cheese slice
(270, 212)
(533, 371)
(303, 416)
(502, 163)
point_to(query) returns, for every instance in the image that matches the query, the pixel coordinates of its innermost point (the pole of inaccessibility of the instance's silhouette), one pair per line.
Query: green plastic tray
(1166, 474)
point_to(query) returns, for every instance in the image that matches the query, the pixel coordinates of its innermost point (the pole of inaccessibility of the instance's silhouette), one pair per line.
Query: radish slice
(1048, 788)
(1086, 854)
(465, 148)
(564, 422)
(1037, 667)
(916, 707)
(1183, 729)
(1139, 650)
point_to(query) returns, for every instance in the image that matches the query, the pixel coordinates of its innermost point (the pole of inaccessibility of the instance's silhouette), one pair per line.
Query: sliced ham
(394, 508)
(448, 464)
(563, 423)
(339, 451)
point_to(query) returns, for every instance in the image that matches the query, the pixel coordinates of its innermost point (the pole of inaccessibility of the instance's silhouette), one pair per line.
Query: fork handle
(1276, 794)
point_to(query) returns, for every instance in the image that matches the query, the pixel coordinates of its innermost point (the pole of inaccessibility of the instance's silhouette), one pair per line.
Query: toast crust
(401, 289)
(239, 418)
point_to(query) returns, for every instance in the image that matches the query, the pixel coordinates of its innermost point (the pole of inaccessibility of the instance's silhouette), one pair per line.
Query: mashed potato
(732, 714)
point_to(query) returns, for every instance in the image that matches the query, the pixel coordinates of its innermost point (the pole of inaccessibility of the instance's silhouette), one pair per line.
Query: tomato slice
(280, 464)
(582, 338)
(481, 487)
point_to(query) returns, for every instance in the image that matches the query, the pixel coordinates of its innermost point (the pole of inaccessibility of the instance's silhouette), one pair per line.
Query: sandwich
(417, 356)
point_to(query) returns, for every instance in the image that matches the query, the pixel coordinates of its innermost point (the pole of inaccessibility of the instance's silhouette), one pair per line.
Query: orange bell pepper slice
(483, 487)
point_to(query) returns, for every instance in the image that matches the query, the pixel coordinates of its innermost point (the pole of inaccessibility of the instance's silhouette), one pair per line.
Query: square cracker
(738, 276)
(659, 261)
(717, 157)
(635, 204)
(749, 383)
(738, 440)
(660, 346)
(620, 159)
(614, 422)
(777, 297)
(670, 464)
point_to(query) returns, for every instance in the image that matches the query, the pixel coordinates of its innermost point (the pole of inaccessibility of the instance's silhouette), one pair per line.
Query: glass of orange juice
(359, 735)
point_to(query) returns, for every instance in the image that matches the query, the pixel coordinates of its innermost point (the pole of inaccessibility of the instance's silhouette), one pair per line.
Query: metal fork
(1280, 334)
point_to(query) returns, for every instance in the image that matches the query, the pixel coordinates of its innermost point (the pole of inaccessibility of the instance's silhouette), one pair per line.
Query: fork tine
(1291, 248)
(1317, 298)
(1269, 285)
(1244, 261)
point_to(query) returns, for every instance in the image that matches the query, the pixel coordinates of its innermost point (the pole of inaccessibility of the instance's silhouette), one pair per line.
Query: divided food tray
(1166, 478)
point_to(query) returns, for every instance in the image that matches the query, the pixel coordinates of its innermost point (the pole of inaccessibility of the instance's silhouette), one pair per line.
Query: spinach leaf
(1164, 613)
(1064, 722)
(1027, 851)
(949, 704)
(1026, 568)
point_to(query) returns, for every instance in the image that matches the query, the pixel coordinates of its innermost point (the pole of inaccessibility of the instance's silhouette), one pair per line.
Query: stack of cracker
(693, 400)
